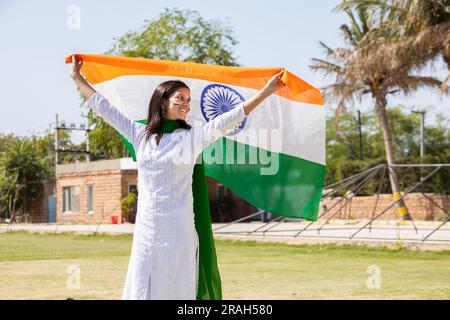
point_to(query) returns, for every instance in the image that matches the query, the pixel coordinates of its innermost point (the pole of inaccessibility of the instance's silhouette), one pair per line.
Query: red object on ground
(114, 219)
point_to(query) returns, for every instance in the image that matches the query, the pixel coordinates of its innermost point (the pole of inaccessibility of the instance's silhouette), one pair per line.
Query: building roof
(96, 166)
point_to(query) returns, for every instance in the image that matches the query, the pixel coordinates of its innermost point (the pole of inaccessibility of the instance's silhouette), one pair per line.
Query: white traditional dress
(164, 255)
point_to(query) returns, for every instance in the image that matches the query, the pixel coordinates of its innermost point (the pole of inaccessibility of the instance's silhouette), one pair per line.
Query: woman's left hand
(274, 83)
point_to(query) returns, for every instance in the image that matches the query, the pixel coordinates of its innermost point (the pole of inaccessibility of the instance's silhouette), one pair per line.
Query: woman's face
(178, 105)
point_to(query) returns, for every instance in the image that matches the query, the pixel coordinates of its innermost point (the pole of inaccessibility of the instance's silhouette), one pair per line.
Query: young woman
(164, 255)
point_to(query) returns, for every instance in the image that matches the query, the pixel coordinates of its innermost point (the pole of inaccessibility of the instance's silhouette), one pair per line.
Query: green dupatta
(209, 283)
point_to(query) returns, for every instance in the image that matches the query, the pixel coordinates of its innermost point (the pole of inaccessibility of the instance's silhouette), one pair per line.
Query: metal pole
(48, 145)
(422, 133)
(56, 141)
(360, 135)
(422, 129)
(87, 139)
(422, 147)
(239, 220)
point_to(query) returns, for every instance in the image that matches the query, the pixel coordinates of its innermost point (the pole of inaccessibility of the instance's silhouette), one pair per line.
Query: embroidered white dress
(164, 255)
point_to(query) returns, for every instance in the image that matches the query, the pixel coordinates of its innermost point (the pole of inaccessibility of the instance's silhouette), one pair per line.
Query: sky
(36, 36)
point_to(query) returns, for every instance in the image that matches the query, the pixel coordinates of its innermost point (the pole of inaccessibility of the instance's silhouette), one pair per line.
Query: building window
(71, 199)
(67, 199)
(90, 198)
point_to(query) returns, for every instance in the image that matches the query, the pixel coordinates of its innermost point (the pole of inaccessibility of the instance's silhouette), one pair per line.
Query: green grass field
(38, 266)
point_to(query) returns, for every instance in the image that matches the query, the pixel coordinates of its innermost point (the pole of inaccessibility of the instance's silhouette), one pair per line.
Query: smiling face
(178, 105)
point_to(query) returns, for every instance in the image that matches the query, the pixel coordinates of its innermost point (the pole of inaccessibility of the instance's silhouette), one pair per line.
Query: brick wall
(37, 210)
(359, 207)
(107, 191)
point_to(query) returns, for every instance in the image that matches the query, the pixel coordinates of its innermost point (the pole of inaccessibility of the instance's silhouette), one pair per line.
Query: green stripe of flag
(293, 191)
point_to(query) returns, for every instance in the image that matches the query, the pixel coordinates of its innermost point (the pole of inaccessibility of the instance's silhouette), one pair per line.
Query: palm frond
(444, 87)
(393, 57)
(325, 66)
(356, 4)
(328, 50)
(356, 33)
(411, 83)
(348, 34)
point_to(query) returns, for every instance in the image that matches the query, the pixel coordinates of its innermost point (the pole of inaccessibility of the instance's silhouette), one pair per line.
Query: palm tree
(356, 75)
(417, 31)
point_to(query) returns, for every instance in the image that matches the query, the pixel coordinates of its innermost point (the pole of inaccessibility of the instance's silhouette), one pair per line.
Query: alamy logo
(217, 99)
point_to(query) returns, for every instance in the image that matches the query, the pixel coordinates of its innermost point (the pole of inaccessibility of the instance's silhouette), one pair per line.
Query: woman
(164, 255)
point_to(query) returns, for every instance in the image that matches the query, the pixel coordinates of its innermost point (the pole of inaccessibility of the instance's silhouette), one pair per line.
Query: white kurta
(164, 255)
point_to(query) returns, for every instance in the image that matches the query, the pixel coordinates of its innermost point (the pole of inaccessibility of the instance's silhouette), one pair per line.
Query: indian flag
(274, 158)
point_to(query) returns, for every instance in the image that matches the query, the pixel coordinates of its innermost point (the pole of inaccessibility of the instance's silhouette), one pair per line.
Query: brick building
(91, 192)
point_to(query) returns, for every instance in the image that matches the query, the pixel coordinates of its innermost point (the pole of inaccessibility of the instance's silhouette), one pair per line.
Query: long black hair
(157, 104)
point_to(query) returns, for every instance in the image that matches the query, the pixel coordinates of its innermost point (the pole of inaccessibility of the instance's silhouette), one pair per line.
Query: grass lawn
(42, 266)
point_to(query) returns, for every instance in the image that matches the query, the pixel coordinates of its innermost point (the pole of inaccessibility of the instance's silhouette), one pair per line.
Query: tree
(181, 35)
(6, 141)
(104, 140)
(343, 161)
(356, 76)
(44, 144)
(21, 173)
(417, 31)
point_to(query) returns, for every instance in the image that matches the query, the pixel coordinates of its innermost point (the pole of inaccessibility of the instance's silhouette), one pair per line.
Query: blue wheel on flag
(217, 99)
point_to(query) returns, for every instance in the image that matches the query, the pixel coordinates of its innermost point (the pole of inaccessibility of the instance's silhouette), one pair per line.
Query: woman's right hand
(76, 66)
(274, 83)
(80, 81)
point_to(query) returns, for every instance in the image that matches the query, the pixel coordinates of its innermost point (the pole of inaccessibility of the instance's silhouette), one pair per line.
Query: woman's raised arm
(271, 86)
(100, 105)
(84, 86)
(214, 129)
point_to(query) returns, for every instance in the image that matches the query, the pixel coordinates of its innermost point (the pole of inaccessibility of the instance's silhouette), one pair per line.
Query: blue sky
(35, 39)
